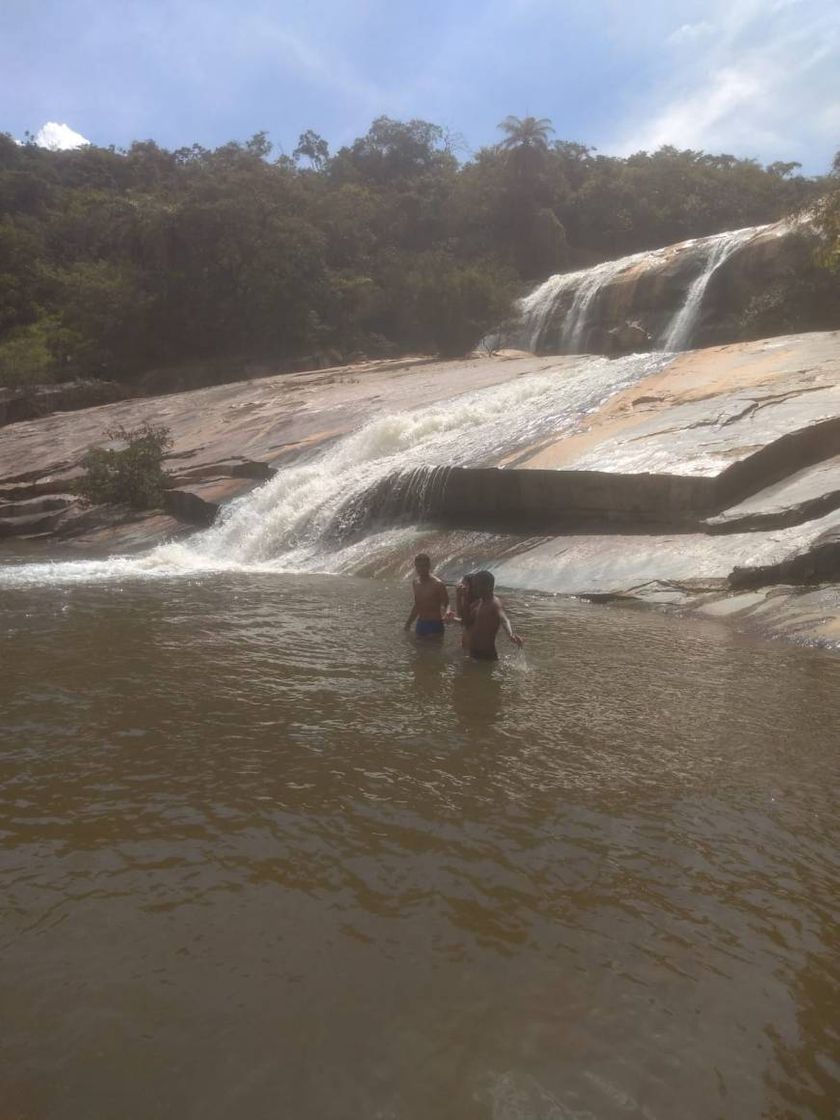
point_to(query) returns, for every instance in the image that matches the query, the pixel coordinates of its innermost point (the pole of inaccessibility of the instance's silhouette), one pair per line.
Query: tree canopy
(114, 262)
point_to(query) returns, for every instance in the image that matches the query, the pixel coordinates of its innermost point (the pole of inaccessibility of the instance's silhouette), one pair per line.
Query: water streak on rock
(680, 331)
(572, 312)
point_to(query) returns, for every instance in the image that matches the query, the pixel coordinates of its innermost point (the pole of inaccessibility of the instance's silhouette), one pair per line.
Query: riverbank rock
(713, 479)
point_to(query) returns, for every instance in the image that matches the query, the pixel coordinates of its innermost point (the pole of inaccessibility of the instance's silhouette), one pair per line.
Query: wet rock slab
(227, 438)
(618, 564)
(709, 410)
(805, 494)
(805, 615)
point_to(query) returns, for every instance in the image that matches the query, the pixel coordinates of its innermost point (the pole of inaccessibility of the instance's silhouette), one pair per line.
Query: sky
(754, 78)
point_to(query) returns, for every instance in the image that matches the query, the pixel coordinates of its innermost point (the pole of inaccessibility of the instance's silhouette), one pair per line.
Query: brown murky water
(262, 857)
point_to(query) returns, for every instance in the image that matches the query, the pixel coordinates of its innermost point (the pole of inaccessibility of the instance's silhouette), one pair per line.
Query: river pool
(263, 856)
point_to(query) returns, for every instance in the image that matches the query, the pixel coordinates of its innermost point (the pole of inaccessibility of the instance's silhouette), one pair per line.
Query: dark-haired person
(487, 616)
(465, 599)
(431, 601)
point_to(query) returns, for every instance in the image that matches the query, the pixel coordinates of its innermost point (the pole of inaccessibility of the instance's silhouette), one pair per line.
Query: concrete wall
(544, 500)
(563, 500)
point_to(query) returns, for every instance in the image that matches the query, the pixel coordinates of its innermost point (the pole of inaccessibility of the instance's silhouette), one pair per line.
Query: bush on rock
(130, 475)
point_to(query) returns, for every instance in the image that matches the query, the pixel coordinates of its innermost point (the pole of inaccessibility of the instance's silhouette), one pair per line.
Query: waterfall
(300, 518)
(572, 301)
(310, 515)
(596, 280)
(680, 329)
(537, 308)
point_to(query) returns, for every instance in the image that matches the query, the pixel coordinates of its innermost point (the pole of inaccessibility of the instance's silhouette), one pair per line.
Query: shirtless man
(487, 616)
(465, 600)
(431, 601)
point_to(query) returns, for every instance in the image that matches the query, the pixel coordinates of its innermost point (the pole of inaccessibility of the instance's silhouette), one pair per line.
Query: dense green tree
(828, 221)
(114, 262)
(313, 147)
(395, 152)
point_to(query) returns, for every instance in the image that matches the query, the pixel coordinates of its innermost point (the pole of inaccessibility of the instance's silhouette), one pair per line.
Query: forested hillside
(114, 262)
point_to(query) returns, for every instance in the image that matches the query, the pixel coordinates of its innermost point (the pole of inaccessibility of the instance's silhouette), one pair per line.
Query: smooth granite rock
(712, 484)
(230, 437)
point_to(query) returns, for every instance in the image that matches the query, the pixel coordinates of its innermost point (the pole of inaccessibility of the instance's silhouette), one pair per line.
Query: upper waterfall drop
(682, 325)
(664, 288)
(577, 289)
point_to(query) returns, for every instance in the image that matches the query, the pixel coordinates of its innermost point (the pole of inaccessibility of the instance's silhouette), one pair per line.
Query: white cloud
(760, 80)
(689, 32)
(694, 120)
(59, 137)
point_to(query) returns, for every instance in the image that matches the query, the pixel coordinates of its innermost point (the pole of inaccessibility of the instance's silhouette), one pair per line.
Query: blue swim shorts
(424, 628)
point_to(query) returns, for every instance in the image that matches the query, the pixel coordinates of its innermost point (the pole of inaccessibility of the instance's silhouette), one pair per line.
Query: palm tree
(526, 146)
(526, 132)
(526, 143)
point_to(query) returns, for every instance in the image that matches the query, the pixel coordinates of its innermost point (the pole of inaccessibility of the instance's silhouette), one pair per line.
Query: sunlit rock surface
(227, 439)
(708, 410)
(707, 481)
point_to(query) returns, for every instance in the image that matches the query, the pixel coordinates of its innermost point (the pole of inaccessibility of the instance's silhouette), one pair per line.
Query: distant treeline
(115, 262)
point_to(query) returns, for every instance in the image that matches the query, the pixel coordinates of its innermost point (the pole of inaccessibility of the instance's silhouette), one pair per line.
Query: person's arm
(458, 613)
(413, 615)
(444, 603)
(462, 604)
(506, 626)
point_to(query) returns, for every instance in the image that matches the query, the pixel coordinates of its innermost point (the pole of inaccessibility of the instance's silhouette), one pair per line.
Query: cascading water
(572, 301)
(680, 330)
(584, 286)
(294, 521)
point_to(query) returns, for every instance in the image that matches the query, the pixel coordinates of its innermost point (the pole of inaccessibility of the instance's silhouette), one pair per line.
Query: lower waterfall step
(551, 501)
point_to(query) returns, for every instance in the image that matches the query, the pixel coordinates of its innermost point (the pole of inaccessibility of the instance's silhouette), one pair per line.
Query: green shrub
(25, 357)
(131, 475)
